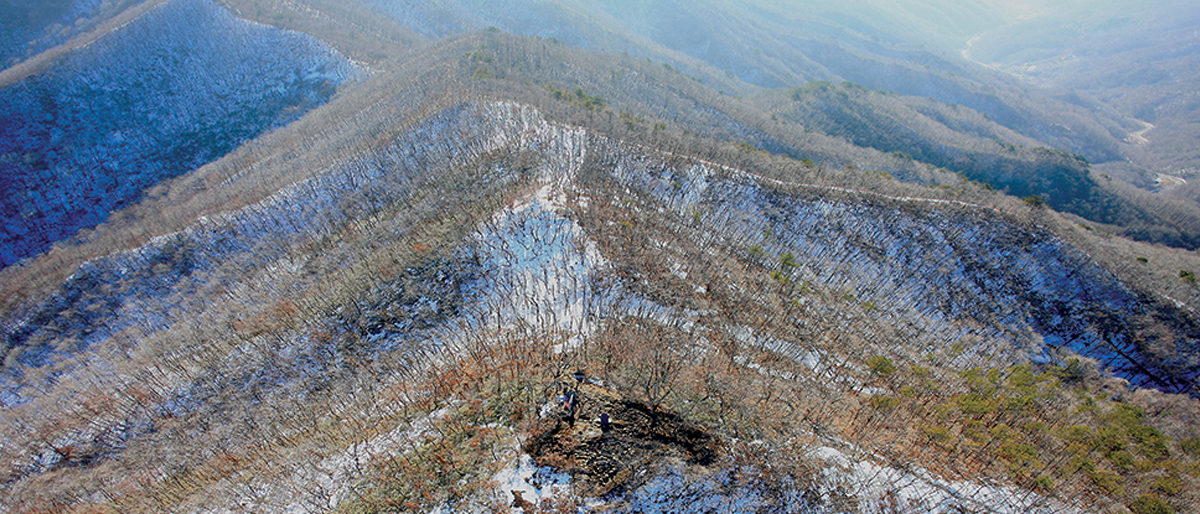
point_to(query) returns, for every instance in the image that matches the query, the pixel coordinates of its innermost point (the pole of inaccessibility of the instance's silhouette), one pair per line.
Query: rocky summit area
(610, 444)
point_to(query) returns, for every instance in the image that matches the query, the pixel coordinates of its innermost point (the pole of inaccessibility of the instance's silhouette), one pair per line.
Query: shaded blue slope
(179, 87)
(27, 28)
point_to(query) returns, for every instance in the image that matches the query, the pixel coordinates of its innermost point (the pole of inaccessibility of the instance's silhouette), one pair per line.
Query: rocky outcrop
(617, 452)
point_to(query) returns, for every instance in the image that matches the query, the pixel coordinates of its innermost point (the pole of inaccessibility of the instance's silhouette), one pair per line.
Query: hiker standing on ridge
(572, 400)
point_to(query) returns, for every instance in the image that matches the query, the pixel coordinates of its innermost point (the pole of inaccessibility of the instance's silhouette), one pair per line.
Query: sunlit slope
(785, 45)
(638, 101)
(178, 87)
(804, 46)
(251, 353)
(843, 123)
(372, 308)
(520, 68)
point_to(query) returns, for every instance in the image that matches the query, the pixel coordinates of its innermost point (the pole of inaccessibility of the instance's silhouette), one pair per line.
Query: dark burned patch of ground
(639, 440)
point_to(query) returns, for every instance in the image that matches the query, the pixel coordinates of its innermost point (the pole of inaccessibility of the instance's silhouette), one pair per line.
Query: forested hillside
(26, 30)
(742, 47)
(1136, 57)
(181, 86)
(528, 235)
(402, 256)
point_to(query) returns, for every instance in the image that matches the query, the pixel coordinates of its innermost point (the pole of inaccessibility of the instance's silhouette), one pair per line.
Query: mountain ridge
(375, 306)
(560, 309)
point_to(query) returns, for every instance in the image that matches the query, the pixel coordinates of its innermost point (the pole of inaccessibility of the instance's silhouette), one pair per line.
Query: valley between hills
(318, 256)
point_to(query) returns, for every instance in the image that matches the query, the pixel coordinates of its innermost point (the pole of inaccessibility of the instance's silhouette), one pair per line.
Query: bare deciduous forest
(496, 271)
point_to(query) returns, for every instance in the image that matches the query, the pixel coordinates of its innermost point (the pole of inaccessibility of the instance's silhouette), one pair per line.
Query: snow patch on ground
(537, 485)
(880, 488)
(332, 478)
(544, 261)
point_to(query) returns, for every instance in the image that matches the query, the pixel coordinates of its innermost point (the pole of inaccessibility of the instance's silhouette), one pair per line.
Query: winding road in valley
(1163, 181)
(1168, 182)
(1139, 137)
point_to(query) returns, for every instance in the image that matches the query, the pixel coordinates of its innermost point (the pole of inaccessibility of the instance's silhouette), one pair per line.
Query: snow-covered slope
(176, 88)
(486, 227)
(30, 28)
(932, 263)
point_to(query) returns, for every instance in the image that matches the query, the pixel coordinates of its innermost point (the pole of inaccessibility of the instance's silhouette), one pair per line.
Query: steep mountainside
(781, 46)
(504, 273)
(794, 44)
(182, 85)
(27, 29)
(487, 229)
